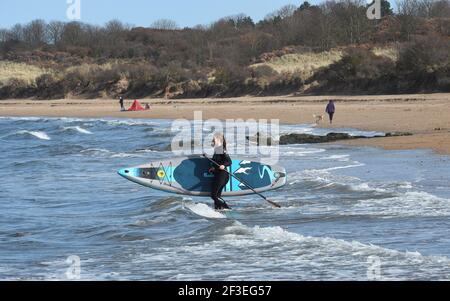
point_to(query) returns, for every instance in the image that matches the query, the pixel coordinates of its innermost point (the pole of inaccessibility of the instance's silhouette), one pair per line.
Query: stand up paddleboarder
(221, 176)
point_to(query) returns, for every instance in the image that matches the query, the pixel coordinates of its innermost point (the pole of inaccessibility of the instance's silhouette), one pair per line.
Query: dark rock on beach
(307, 138)
(260, 140)
(301, 139)
(332, 137)
(398, 134)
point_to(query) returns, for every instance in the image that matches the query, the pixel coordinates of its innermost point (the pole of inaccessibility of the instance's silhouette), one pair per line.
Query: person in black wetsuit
(221, 176)
(122, 108)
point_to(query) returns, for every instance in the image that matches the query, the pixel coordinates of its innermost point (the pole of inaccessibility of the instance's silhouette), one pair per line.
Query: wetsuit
(121, 104)
(221, 178)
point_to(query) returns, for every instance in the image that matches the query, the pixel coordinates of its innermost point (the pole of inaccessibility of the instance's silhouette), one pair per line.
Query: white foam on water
(366, 187)
(320, 176)
(300, 151)
(113, 122)
(37, 134)
(408, 204)
(279, 235)
(277, 254)
(45, 119)
(22, 118)
(397, 199)
(104, 153)
(405, 185)
(341, 158)
(297, 129)
(344, 167)
(130, 122)
(324, 178)
(323, 251)
(78, 129)
(203, 210)
(148, 151)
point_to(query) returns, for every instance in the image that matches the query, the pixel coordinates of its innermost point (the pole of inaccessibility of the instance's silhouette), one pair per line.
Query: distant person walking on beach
(331, 109)
(122, 108)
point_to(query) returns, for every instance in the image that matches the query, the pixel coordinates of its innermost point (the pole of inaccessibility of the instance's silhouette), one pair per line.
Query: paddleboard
(190, 176)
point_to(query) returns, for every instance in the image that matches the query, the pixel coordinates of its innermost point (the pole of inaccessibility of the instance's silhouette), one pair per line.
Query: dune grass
(307, 63)
(304, 64)
(29, 73)
(22, 71)
(88, 68)
(389, 52)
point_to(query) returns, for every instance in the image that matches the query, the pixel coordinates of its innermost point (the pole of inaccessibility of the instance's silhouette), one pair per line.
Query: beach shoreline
(426, 116)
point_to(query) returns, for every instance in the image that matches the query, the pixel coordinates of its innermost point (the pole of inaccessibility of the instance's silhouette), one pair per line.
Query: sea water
(349, 213)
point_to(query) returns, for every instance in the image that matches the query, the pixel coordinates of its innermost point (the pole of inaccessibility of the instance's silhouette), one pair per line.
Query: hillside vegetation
(20, 71)
(304, 63)
(328, 48)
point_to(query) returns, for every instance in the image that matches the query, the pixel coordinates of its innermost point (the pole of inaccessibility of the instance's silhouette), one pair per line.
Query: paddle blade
(274, 204)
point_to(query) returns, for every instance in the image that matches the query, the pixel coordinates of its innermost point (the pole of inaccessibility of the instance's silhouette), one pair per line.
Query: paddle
(243, 182)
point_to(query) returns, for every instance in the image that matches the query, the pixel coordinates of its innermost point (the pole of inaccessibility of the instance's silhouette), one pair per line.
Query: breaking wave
(36, 134)
(77, 129)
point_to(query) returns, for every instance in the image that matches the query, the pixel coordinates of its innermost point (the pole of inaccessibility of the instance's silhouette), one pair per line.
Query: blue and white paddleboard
(190, 176)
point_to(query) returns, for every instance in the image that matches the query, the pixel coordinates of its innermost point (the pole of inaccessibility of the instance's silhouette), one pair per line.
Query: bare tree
(408, 16)
(409, 7)
(72, 34)
(425, 8)
(3, 35)
(349, 21)
(284, 12)
(164, 24)
(240, 21)
(55, 31)
(92, 34)
(34, 32)
(116, 27)
(305, 26)
(16, 33)
(440, 9)
(435, 8)
(223, 28)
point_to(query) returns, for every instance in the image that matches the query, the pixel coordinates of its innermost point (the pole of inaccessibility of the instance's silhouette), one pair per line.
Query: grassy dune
(29, 72)
(288, 73)
(303, 63)
(307, 63)
(389, 52)
(85, 69)
(22, 71)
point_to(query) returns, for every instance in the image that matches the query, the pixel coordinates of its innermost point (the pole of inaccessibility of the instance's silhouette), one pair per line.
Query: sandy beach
(427, 117)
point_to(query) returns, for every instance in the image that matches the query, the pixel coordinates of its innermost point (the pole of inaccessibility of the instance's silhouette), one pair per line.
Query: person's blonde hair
(220, 136)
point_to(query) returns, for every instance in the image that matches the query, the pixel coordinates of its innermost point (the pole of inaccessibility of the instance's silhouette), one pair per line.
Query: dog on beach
(318, 118)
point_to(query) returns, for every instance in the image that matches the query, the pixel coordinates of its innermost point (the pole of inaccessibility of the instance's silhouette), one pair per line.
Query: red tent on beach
(136, 106)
